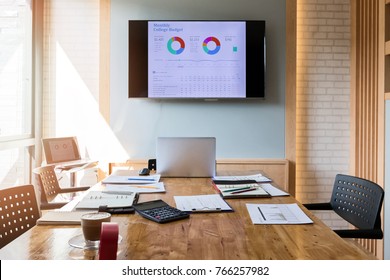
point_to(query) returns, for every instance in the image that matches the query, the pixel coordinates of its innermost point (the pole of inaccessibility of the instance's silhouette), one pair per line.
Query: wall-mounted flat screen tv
(197, 59)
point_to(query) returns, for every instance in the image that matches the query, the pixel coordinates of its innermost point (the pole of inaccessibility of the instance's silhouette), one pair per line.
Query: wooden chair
(18, 212)
(359, 202)
(47, 181)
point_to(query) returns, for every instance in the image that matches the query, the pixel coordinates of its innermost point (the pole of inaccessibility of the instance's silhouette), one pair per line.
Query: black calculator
(159, 211)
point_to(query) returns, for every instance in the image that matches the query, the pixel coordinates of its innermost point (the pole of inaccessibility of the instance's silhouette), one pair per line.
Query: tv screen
(197, 59)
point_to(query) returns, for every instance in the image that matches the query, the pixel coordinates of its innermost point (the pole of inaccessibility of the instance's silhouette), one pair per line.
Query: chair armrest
(53, 205)
(318, 206)
(74, 189)
(360, 233)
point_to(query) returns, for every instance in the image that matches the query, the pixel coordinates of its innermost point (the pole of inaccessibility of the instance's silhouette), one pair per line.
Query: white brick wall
(71, 74)
(323, 96)
(71, 59)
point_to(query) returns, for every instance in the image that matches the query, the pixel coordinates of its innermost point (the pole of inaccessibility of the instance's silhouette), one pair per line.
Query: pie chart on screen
(176, 45)
(206, 45)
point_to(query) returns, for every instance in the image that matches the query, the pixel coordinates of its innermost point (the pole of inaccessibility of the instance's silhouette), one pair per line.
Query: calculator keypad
(161, 214)
(164, 213)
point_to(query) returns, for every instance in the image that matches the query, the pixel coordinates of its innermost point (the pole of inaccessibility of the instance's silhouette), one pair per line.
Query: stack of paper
(128, 184)
(256, 185)
(61, 218)
(256, 178)
(115, 179)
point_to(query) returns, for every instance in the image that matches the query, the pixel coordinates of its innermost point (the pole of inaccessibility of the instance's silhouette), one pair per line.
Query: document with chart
(277, 214)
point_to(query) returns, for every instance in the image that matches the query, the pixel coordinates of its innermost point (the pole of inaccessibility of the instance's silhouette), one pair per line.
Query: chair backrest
(18, 212)
(47, 181)
(358, 201)
(62, 149)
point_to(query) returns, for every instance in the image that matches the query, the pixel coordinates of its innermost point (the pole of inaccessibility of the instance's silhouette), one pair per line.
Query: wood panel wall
(291, 82)
(367, 97)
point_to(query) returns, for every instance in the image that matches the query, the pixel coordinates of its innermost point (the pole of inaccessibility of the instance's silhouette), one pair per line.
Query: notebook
(64, 151)
(186, 156)
(241, 190)
(95, 199)
(61, 218)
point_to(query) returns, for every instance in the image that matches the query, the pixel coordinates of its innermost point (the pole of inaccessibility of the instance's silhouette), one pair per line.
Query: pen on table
(206, 210)
(261, 212)
(237, 189)
(146, 187)
(140, 179)
(248, 190)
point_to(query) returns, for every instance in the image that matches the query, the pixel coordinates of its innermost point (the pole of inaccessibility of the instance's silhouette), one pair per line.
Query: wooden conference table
(216, 236)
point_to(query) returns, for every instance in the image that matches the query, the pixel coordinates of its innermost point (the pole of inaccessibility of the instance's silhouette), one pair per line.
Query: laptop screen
(186, 156)
(60, 149)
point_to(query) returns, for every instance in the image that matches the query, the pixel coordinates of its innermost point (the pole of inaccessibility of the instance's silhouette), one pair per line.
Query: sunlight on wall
(323, 97)
(11, 161)
(77, 113)
(8, 117)
(14, 112)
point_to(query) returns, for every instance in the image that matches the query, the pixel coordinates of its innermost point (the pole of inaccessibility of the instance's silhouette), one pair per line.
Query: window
(16, 96)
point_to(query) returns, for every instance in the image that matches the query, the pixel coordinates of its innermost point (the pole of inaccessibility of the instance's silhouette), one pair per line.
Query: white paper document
(202, 203)
(273, 191)
(115, 179)
(277, 214)
(259, 178)
(128, 189)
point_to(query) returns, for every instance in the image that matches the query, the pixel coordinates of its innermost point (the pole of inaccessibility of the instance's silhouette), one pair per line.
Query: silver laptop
(186, 156)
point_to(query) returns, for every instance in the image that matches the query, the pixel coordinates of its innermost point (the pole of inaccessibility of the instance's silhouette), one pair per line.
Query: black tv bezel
(138, 61)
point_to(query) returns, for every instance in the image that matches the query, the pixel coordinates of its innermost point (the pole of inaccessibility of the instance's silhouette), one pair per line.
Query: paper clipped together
(202, 203)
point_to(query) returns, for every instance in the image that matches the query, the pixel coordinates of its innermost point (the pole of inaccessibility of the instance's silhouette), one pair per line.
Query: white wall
(242, 129)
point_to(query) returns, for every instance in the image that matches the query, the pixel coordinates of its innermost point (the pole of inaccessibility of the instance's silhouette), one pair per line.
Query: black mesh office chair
(359, 202)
